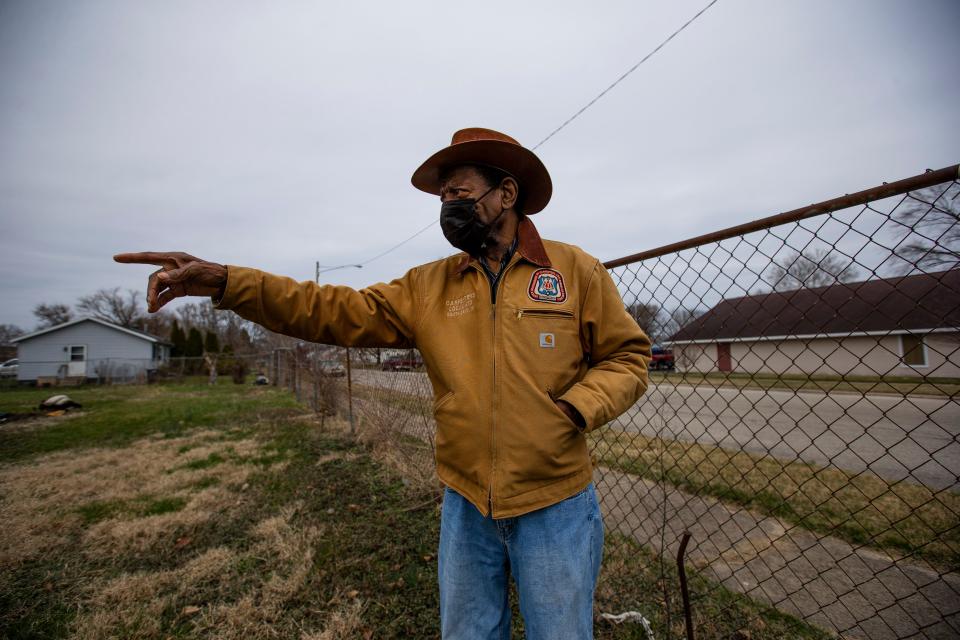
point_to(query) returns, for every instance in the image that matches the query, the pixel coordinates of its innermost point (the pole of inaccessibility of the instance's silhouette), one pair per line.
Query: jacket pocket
(553, 400)
(545, 313)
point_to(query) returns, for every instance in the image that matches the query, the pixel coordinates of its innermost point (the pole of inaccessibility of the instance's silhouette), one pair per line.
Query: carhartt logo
(547, 340)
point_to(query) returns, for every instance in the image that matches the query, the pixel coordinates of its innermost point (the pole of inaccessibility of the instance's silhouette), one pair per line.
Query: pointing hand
(180, 274)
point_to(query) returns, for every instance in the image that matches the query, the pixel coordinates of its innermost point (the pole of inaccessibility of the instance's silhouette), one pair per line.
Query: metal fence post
(350, 393)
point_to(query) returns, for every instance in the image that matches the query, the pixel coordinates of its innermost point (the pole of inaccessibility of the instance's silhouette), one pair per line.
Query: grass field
(901, 518)
(898, 385)
(187, 511)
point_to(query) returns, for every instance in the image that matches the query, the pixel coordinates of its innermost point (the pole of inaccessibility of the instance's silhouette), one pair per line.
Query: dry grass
(211, 595)
(46, 501)
(287, 531)
(137, 604)
(902, 517)
(396, 429)
(345, 622)
(265, 528)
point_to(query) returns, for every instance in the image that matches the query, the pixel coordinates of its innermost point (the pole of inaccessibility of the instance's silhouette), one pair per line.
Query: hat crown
(472, 134)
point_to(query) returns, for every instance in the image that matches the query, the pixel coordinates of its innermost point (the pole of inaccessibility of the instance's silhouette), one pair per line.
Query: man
(527, 346)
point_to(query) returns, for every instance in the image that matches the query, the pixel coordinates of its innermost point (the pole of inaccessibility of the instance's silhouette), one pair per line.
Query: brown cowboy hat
(494, 149)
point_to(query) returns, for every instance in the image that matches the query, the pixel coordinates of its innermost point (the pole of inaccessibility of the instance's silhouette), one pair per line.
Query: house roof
(924, 302)
(134, 332)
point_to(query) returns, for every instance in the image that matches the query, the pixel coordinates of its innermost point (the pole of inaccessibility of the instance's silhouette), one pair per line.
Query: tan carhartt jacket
(557, 330)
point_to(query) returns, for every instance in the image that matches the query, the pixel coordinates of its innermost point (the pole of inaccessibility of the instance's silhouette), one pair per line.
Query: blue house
(89, 349)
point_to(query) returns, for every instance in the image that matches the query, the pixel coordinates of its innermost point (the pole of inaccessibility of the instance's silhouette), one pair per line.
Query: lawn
(897, 385)
(902, 518)
(188, 511)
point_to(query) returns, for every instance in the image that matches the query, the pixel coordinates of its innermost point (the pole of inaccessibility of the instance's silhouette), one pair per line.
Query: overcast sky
(276, 134)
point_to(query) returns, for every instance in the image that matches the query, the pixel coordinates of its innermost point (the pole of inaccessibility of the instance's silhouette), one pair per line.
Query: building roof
(918, 303)
(134, 332)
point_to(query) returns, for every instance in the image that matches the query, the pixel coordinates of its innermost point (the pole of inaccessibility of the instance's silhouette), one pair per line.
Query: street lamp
(340, 266)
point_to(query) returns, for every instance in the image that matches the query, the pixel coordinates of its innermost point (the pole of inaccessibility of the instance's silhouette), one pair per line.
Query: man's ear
(510, 191)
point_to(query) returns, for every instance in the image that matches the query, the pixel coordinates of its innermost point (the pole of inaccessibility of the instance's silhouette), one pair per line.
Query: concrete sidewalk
(860, 593)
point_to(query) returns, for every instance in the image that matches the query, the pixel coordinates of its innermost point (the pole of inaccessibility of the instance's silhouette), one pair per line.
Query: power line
(568, 120)
(360, 265)
(399, 244)
(625, 74)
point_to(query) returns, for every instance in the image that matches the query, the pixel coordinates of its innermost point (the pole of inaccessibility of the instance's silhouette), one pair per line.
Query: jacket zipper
(493, 408)
(493, 396)
(544, 313)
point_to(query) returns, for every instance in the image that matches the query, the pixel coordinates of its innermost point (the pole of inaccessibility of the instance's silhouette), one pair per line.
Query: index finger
(158, 258)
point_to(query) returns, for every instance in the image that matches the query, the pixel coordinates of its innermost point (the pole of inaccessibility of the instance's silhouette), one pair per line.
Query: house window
(913, 351)
(78, 353)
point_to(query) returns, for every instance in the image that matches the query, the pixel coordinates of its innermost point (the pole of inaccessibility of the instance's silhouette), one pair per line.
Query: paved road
(915, 438)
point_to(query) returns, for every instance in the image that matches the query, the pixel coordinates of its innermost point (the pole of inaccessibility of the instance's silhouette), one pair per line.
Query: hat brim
(533, 178)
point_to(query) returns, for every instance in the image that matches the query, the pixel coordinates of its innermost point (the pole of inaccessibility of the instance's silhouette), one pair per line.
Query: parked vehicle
(332, 368)
(662, 359)
(402, 363)
(9, 368)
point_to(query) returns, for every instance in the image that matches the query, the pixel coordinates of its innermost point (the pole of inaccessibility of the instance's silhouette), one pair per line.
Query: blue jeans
(553, 554)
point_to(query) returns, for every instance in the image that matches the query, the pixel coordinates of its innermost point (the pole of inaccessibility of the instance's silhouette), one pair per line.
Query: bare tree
(231, 330)
(678, 318)
(928, 224)
(368, 355)
(8, 332)
(649, 315)
(158, 324)
(811, 268)
(112, 305)
(50, 315)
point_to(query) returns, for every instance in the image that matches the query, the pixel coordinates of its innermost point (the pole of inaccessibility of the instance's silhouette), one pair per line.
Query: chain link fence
(802, 421)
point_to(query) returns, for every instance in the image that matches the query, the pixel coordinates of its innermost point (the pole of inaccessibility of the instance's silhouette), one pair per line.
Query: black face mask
(461, 226)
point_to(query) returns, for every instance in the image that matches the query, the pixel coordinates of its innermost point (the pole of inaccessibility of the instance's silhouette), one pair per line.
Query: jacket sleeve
(382, 315)
(619, 353)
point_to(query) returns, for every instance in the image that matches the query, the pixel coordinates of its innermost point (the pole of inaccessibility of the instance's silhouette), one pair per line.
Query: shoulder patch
(546, 285)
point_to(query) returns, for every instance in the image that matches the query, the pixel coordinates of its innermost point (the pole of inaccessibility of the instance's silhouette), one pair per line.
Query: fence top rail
(885, 190)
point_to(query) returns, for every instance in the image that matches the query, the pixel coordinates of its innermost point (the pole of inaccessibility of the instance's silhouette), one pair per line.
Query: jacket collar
(529, 245)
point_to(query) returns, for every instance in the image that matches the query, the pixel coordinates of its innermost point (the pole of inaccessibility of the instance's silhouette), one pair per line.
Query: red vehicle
(662, 359)
(402, 363)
